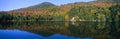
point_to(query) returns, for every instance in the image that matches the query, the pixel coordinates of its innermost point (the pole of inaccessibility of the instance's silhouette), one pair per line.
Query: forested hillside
(99, 10)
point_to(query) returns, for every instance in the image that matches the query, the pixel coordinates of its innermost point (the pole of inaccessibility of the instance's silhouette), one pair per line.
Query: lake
(59, 30)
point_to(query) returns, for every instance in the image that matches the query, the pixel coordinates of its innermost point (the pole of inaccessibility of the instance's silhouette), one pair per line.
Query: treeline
(83, 11)
(95, 13)
(6, 16)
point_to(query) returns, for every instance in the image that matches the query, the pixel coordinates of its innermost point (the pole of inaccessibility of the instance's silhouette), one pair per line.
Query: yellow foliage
(66, 17)
(100, 16)
(118, 13)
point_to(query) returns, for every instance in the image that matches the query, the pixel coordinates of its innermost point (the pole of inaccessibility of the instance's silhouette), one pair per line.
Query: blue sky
(6, 5)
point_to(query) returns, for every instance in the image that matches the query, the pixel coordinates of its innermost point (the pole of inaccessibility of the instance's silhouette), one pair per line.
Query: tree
(73, 12)
(114, 11)
(5, 17)
(110, 1)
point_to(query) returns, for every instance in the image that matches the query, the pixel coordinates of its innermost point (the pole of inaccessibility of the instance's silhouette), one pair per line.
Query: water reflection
(18, 34)
(78, 30)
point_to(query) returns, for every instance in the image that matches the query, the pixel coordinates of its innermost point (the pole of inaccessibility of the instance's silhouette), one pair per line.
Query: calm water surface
(59, 30)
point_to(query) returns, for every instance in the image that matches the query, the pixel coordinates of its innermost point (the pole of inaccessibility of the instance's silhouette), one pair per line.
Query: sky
(7, 5)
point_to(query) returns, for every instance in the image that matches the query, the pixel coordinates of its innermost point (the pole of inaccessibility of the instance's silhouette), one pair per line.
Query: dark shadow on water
(115, 30)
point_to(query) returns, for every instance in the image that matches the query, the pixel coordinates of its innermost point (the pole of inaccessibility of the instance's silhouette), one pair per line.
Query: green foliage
(110, 1)
(114, 12)
(90, 13)
(73, 12)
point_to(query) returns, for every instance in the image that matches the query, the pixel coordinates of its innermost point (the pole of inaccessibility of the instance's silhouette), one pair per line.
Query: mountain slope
(43, 5)
(81, 11)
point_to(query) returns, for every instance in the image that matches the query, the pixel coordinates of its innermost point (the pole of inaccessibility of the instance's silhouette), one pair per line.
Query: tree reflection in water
(95, 30)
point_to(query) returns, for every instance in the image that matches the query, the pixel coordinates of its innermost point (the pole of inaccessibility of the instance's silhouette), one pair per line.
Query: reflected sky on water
(18, 34)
